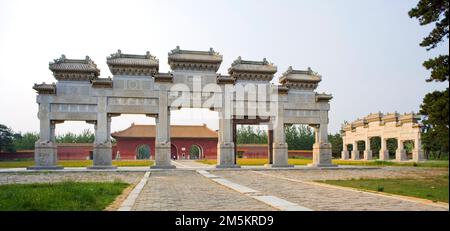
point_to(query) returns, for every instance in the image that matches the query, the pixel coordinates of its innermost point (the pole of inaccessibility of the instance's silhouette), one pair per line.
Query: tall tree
(435, 104)
(6, 139)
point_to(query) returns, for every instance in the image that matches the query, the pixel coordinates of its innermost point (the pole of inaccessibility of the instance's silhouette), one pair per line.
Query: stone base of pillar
(400, 155)
(344, 155)
(162, 156)
(322, 155)
(384, 155)
(102, 155)
(367, 155)
(225, 155)
(280, 156)
(355, 155)
(45, 156)
(417, 155)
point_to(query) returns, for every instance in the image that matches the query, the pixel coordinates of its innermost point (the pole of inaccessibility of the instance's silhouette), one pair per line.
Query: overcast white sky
(366, 51)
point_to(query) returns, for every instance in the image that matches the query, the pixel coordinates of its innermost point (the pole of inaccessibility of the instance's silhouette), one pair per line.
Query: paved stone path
(318, 197)
(188, 190)
(243, 189)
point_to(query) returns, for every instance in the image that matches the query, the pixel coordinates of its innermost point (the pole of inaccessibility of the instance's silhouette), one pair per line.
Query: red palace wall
(128, 146)
(180, 146)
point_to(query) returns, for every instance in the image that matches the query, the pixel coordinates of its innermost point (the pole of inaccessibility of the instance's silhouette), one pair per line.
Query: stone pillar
(279, 145)
(384, 152)
(321, 148)
(45, 149)
(345, 153)
(102, 150)
(162, 139)
(368, 152)
(225, 146)
(355, 151)
(417, 153)
(400, 153)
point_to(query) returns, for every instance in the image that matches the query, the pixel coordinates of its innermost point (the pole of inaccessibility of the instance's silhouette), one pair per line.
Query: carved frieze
(81, 108)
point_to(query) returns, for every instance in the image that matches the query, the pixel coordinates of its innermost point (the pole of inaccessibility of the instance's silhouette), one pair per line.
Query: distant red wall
(128, 146)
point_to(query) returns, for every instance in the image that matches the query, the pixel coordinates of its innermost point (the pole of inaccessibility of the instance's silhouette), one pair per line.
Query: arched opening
(195, 152)
(350, 150)
(392, 145)
(361, 147)
(408, 145)
(174, 152)
(143, 152)
(375, 146)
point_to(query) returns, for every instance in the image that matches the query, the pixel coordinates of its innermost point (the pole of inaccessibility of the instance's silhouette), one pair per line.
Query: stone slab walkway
(319, 197)
(173, 190)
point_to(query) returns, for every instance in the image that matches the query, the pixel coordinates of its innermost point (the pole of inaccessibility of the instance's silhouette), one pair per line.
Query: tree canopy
(434, 107)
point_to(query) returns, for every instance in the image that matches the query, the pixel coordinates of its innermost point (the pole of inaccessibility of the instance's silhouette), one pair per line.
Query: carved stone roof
(300, 79)
(102, 83)
(384, 118)
(176, 131)
(390, 117)
(129, 64)
(45, 89)
(74, 69)
(322, 97)
(374, 117)
(224, 79)
(252, 70)
(409, 118)
(163, 77)
(194, 60)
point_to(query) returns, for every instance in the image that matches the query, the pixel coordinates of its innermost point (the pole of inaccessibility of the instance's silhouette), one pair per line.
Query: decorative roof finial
(265, 61)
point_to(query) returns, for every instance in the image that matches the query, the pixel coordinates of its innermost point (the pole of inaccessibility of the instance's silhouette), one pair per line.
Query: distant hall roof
(176, 131)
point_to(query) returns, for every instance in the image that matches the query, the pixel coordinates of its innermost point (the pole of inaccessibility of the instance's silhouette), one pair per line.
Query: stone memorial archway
(137, 87)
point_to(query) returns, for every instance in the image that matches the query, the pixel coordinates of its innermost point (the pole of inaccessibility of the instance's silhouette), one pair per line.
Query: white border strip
(273, 201)
(127, 205)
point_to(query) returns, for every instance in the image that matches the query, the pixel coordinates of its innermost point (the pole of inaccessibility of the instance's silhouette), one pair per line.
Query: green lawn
(76, 163)
(253, 162)
(435, 189)
(64, 196)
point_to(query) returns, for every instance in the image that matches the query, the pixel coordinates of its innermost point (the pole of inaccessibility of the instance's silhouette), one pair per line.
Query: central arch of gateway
(245, 95)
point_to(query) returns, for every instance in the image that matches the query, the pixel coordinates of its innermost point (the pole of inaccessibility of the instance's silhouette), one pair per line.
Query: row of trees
(11, 141)
(435, 104)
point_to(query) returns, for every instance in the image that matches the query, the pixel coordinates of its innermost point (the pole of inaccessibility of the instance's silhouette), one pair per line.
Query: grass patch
(77, 163)
(433, 188)
(302, 161)
(64, 196)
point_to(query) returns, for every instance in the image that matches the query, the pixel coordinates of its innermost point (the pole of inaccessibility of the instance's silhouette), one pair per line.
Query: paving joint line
(387, 195)
(272, 201)
(129, 202)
